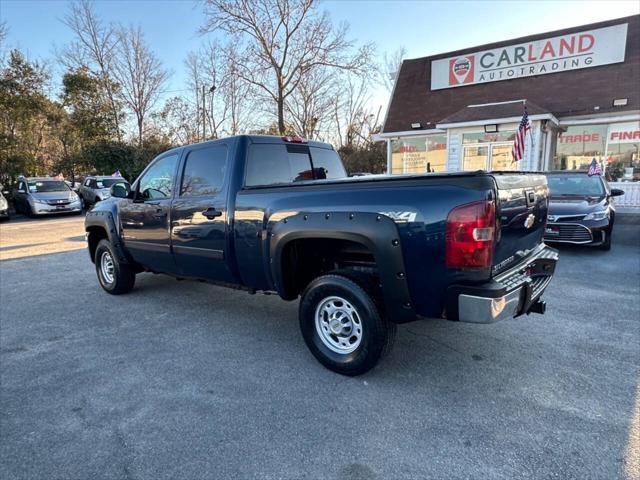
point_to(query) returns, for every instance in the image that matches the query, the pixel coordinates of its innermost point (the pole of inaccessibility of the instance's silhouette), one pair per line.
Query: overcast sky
(423, 27)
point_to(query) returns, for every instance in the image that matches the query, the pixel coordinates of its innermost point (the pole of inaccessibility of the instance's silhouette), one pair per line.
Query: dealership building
(460, 110)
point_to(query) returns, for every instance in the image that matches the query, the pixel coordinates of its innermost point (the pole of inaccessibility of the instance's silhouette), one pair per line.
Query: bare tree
(391, 64)
(205, 75)
(227, 106)
(311, 106)
(282, 41)
(176, 121)
(140, 74)
(236, 92)
(350, 113)
(94, 46)
(4, 31)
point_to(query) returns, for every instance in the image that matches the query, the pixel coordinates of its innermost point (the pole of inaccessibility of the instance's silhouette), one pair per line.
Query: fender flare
(104, 219)
(377, 232)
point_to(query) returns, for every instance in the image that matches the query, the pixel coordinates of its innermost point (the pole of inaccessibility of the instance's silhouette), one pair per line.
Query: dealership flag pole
(517, 152)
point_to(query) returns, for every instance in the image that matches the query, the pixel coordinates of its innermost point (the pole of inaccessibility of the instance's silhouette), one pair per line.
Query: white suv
(95, 189)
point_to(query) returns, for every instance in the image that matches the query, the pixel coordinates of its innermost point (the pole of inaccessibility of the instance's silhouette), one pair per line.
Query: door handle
(159, 214)
(211, 213)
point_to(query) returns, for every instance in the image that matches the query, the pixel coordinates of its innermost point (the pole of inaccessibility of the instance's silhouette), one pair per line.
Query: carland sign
(572, 51)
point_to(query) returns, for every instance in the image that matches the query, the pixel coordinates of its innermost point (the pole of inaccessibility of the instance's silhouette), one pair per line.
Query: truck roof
(274, 139)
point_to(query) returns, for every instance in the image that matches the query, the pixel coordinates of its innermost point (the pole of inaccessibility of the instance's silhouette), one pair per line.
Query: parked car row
(36, 196)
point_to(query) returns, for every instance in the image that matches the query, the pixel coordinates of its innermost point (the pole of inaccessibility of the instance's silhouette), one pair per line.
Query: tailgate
(521, 213)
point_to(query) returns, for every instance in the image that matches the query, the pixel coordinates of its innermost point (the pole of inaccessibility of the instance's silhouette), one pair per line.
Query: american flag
(594, 168)
(518, 145)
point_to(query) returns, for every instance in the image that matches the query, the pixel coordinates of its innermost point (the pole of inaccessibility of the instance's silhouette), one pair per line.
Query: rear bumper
(512, 293)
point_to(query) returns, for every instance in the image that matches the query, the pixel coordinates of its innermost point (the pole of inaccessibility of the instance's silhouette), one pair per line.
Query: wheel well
(95, 235)
(305, 259)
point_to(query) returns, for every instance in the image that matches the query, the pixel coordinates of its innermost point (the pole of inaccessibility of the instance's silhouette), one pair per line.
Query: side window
(329, 161)
(87, 182)
(272, 164)
(93, 183)
(157, 182)
(204, 171)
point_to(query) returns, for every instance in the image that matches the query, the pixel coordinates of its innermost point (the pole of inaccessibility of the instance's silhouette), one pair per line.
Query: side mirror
(120, 190)
(616, 192)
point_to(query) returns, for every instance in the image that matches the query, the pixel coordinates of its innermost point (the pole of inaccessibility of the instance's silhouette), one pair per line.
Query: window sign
(579, 145)
(419, 154)
(623, 152)
(624, 133)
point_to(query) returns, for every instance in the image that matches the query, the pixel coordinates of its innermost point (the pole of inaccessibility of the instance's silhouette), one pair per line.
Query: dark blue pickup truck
(363, 254)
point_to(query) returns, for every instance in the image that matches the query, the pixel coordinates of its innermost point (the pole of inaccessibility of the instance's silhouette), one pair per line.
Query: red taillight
(295, 139)
(469, 235)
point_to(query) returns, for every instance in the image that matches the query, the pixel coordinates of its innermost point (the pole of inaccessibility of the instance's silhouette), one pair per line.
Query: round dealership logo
(461, 70)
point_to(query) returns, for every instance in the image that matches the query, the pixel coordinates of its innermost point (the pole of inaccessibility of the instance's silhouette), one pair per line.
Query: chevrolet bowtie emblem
(528, 223)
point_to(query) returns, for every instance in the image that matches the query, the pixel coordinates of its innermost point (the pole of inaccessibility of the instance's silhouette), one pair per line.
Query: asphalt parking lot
(186, 380)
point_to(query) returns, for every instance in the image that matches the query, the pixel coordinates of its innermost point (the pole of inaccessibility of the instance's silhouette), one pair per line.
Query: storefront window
(623, 146)
(579, 145)
(419, 154)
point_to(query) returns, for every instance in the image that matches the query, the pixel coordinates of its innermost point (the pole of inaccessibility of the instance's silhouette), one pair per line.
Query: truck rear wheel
(114, 277)
(343, 325)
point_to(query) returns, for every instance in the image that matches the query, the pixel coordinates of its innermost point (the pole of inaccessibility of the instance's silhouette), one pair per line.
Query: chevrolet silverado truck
(279, 215)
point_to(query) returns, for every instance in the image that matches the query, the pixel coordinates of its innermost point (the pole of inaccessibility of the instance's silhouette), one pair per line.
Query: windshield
(48, 186)
(107, 182)
(582, 185)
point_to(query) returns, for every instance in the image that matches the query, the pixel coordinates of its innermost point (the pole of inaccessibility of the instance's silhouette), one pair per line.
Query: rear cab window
(278, 164)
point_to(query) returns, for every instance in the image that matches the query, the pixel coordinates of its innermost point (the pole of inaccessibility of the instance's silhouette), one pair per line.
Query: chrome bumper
(510, 294)
(488, 310)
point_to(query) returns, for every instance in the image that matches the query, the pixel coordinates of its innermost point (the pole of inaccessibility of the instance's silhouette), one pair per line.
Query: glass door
(475, 157)
(501, 157)
(488, 157)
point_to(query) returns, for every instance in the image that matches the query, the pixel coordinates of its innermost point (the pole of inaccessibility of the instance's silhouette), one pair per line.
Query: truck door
(145, 219)
(199, 224)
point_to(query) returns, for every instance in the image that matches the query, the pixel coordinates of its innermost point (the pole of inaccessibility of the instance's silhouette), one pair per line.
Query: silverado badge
(528, 223)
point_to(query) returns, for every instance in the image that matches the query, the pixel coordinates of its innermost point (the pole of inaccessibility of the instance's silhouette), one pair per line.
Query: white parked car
(95, 189)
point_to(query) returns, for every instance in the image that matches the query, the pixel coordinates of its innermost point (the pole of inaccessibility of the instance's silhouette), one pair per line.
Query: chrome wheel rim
(339, 325)
(106, 267)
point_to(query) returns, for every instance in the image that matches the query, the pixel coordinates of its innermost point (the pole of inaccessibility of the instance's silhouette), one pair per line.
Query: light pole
(211, 91)
(204, 110)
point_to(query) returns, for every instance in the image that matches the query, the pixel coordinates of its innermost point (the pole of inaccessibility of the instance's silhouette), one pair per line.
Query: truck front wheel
(343, 324)
(114, 277)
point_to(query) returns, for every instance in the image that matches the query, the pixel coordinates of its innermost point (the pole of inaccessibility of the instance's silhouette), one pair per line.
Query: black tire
(83, 205)
(29, 211)
(123, 276)
(376, 336)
